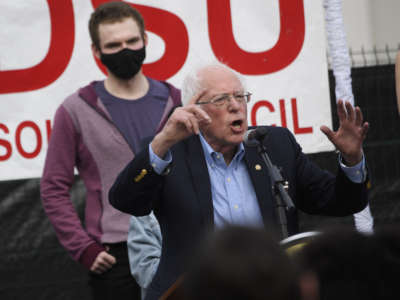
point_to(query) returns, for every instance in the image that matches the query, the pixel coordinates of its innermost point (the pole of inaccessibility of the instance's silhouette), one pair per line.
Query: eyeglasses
(220, 100)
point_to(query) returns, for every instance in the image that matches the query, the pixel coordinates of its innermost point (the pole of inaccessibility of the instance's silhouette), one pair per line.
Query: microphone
(254, 136)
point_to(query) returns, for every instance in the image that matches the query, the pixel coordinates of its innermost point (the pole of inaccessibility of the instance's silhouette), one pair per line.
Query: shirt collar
(208, 152)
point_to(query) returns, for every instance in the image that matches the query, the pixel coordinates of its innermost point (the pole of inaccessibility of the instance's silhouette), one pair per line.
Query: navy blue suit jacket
(182, 201)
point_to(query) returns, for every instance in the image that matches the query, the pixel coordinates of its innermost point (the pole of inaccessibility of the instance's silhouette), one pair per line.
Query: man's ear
(145, 39)
(96, 51)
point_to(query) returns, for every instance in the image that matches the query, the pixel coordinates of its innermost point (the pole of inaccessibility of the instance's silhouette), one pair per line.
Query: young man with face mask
(98, 130)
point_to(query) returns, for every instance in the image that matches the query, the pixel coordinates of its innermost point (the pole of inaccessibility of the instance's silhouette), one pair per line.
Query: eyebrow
(133, 39)
(116, 44)
(112, 44)
(220, 95)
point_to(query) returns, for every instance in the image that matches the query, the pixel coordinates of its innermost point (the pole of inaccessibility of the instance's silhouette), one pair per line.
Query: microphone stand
(280, 190)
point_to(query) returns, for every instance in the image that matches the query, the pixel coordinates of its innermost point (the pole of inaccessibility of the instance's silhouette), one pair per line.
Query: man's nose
(233, 104)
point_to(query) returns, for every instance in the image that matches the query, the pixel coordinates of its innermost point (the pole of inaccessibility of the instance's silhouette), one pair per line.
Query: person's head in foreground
(241, 263)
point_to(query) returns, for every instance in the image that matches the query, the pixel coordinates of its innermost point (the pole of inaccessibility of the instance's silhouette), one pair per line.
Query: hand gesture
(184, 122)
(103, 262)
(352, 131)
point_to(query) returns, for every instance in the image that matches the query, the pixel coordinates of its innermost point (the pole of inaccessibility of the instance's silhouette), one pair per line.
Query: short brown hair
(111, 12)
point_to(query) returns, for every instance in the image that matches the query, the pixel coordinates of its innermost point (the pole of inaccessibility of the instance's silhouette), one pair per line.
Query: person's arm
(137, 186)
(57, 179)
(351, 134)
(337, 196)
(320, 192)
(144, 248)
(397, 79)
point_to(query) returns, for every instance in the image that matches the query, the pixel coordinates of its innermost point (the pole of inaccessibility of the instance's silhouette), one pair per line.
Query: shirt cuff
(157, 163)
(364, 221)
(357, 173)
(89, 255)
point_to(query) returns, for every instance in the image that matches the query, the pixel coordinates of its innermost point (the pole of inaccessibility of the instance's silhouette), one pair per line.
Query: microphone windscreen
(249, 139)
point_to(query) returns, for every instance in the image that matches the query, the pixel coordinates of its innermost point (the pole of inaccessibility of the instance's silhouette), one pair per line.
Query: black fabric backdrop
(34, 266)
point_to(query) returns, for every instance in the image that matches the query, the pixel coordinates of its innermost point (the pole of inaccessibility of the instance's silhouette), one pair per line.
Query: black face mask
(124, 64)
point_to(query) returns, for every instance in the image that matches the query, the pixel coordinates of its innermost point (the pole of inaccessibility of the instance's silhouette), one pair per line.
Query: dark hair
(386, 241)
(241, 263)
(351, 265)
(340, 260)
(111, 12)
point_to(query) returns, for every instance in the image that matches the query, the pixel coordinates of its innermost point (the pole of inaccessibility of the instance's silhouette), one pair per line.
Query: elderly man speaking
(198, 175)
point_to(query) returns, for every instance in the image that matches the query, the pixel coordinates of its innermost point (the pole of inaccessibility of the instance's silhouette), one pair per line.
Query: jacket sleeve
(55, 185)
(136, 190)
(144, 248)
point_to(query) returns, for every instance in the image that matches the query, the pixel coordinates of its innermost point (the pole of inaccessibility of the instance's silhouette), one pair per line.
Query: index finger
(200, 113)
(196, 97)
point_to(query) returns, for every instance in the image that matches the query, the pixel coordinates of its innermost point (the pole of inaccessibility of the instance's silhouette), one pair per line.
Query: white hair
(192, 83)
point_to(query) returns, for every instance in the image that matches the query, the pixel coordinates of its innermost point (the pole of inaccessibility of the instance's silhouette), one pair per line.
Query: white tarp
(45, 55)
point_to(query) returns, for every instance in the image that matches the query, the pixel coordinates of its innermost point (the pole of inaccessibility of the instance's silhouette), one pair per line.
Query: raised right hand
(184, 122)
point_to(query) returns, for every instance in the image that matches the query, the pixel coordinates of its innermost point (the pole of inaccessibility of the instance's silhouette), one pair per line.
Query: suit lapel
(262, 184)
(201, 179)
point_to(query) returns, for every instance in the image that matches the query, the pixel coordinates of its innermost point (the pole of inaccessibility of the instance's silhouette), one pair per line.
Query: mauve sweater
(84, 136)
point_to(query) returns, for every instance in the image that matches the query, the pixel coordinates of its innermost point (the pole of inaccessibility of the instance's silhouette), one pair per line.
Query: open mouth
(237, 125)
